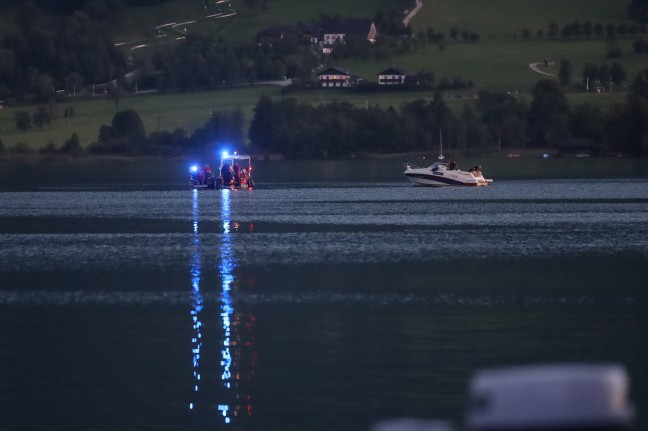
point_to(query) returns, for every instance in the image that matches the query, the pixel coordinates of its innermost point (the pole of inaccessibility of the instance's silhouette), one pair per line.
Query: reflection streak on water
(234, 346)
(197, 299)
(226, 267)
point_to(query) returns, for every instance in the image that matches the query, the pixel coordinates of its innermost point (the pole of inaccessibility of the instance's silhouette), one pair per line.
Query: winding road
(419, 5)
(535, 68)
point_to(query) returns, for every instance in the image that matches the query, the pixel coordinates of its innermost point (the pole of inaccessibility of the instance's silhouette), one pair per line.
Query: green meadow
(158, 112)
(504, 65)
(507, 18)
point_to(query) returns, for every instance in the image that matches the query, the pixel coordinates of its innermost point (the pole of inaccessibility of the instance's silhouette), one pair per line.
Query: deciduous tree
(565, 72)
(549, 114)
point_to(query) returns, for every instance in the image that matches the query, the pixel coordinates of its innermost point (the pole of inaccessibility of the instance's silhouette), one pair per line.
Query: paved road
(419, 5)
(534, 67)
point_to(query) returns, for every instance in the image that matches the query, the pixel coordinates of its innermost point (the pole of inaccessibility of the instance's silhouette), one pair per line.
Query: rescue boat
(234, 171)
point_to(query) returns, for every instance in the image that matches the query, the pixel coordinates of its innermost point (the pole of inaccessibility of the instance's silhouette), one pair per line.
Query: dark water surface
(330, 297)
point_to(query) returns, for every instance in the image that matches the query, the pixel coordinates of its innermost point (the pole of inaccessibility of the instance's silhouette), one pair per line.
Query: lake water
(331, 296)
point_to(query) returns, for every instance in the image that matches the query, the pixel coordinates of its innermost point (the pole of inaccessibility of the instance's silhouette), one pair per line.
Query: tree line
(589, 29)
(498, 121)
(298, 130)
(602, 74)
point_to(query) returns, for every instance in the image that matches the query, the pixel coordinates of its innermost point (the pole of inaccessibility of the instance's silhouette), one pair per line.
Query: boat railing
(411, 166)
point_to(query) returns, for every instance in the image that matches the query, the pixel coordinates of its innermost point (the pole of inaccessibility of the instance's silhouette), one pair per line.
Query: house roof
(392, 71)
(333, 71)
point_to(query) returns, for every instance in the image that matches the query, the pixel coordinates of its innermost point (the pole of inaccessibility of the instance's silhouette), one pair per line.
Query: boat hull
(440, 177)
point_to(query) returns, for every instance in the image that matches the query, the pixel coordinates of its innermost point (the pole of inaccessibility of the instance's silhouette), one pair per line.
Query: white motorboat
(445, 174)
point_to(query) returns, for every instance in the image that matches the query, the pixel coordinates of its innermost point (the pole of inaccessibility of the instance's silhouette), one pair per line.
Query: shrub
(72, 145)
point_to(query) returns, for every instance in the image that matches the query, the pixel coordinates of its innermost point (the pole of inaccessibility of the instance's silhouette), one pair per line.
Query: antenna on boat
(441, 157)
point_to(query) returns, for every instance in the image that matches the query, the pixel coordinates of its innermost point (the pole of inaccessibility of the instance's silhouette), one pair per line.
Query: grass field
(497, 18)
(158, 112)
(503, 65)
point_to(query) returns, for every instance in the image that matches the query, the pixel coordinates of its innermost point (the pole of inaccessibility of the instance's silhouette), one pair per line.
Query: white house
(351, 27)
(392, 76)
(336, 77)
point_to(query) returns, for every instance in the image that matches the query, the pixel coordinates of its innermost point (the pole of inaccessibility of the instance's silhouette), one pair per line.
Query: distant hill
(512, 35)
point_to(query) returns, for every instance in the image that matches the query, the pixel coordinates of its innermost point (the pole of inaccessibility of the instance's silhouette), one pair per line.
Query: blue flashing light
(194, 169)
(225, 154)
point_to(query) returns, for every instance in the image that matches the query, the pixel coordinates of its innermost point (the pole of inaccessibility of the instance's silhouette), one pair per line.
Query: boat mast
(441, 157)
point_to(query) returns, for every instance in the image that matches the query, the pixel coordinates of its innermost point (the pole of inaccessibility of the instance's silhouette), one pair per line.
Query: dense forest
(299, 130)
(81, 51)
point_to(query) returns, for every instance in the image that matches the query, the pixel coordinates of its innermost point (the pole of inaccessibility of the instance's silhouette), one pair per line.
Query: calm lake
(331, 296)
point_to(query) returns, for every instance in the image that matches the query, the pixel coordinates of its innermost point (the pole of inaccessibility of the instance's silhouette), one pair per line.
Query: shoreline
(523, 153)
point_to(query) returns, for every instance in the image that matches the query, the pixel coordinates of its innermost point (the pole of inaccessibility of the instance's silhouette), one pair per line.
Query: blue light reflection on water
(196, 296)
(229, 344)
(226, 270)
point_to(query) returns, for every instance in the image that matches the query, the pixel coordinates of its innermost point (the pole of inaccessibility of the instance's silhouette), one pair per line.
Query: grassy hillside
(499, 61)
(504, 65)
(495, 18)
(158, 112)
(245, 27)
(242, 26)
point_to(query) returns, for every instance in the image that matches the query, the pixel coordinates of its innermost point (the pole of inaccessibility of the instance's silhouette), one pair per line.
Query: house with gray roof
(392, 76)
(334, 77)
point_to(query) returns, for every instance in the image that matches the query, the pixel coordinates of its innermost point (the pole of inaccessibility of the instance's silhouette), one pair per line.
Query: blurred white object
(550, 397)
(412, 424)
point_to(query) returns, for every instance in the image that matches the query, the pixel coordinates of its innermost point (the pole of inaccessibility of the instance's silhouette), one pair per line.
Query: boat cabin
(235, 170)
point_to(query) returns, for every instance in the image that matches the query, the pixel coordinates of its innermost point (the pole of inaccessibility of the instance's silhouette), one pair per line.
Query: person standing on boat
(237, 174)
(225, 173)
(453, 166)
(244, 177)
(232, 176)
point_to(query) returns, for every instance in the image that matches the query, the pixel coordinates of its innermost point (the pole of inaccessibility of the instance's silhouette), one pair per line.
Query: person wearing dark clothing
(237, 174)
(225, 173)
